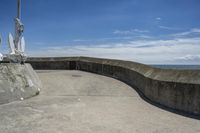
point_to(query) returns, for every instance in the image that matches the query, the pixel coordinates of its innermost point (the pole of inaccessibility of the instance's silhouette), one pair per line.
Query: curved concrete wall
(175, 89)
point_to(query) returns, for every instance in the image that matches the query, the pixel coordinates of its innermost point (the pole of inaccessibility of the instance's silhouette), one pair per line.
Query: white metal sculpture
(17, 44)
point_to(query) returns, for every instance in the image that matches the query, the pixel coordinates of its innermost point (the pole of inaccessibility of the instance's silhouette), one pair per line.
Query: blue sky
(147, 31)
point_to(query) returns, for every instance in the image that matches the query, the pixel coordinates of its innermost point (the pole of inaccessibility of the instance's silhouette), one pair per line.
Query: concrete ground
(80, 102)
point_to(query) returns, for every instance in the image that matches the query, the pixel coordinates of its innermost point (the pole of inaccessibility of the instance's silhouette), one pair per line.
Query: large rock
(18, 82)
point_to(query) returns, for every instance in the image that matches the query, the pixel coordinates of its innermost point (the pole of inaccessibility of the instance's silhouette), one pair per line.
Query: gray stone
(17, 82)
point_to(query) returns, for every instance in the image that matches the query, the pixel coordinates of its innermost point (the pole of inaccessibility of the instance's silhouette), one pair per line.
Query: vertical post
(18, 31)
(18, 9)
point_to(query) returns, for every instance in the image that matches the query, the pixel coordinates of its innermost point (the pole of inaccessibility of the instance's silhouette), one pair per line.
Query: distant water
(187, 67)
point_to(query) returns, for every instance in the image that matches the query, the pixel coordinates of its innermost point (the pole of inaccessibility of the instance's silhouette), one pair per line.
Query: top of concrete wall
(169, 75)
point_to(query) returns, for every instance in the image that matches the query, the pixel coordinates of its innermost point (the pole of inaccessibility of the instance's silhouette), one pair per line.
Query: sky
(145, 31)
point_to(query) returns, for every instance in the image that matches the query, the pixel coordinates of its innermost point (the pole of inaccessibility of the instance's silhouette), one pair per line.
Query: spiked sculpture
(17, 44)
(18, 80)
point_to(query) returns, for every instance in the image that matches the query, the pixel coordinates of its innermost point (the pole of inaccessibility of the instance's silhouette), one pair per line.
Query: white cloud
(158, 18)
(182, 33)
(168, 28)
(189, 58)
(195, 30)
(171, 51)
(79, 40)
(191, 31)
(140, 31)
(122, 32)
(128, 32)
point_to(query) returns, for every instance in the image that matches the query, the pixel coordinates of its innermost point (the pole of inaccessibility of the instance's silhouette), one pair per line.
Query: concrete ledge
(175, 89)
(17, 82)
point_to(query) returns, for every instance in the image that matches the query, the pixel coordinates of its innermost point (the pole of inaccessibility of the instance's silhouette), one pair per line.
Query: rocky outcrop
(17, 82)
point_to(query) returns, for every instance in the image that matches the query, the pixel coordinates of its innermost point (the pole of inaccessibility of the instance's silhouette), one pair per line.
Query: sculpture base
(16, 58)
(18, 82)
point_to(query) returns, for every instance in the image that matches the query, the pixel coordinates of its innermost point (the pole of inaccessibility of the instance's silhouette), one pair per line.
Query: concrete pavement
(80, 102)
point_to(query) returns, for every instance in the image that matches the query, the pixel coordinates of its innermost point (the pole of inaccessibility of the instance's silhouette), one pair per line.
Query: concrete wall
(175, 89)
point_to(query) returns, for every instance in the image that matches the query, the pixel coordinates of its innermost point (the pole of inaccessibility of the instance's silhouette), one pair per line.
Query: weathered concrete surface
(175, 89)
(80, 102)
(72, 63)
(17, 82)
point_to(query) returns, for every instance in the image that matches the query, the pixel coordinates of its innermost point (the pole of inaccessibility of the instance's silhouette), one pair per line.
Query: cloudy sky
(146, 31)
